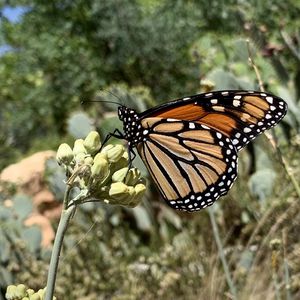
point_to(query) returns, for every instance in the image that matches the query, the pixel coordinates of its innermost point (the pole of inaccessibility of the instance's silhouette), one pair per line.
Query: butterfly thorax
(132, 127)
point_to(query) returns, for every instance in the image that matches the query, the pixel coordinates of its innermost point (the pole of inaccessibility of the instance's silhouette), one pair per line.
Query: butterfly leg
(117, 134)
(131, 157)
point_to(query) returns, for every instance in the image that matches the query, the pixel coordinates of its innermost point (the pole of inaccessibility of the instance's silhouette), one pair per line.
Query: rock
(28, 176)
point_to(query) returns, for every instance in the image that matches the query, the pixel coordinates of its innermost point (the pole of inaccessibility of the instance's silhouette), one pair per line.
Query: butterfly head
(131, 124)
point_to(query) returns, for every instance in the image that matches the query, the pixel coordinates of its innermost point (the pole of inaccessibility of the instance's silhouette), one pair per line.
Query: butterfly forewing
(192, 165)
(240, 115)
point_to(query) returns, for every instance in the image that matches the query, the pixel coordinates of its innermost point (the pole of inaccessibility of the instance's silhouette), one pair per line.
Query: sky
(13, 14)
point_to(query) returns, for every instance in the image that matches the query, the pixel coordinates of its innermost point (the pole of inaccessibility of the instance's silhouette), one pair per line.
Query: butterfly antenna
(105, 101)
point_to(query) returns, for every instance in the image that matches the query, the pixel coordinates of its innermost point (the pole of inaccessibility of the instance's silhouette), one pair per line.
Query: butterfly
(190, 145)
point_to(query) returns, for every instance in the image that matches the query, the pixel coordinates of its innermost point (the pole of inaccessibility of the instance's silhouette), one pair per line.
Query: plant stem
(65, 218)
(221, 253)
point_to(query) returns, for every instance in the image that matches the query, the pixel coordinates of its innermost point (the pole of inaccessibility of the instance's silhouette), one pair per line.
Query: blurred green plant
(19, 244)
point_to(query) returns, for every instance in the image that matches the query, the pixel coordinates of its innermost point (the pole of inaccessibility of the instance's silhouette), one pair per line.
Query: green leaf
(33, 237)
(223, 80)
(142, 218)
(293, 114)
(80, 125)
(22, 205)
(261, 183)
(55, 177)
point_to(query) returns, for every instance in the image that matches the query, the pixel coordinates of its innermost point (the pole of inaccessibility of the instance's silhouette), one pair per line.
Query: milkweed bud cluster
(102, 174)
(21, 292)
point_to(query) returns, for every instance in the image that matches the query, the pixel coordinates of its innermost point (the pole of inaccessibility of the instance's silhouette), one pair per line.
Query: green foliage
(19, 244)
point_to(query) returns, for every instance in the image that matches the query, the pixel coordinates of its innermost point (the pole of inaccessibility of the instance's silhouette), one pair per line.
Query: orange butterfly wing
(240, 115)
(192, 164)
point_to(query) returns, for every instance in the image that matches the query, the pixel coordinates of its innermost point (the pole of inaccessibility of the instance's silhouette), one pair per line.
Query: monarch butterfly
(190, 145)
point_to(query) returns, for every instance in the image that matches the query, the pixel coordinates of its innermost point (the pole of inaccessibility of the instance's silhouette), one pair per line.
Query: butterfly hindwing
(192, 165)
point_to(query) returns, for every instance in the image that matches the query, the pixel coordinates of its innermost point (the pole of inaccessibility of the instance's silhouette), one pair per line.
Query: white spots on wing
(237, 97)
(263, 94)
(205, 127)
(186, 98)
(214, 101)
(247, 129)
(145, 132)
(272, 107)
(268, 116)
(219, 135)
(235, 141)
(269, 99)
(208, 94)
(192, 125)
(236, 103)
(225, 93)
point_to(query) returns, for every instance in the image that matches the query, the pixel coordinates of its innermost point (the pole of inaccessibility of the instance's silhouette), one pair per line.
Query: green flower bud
(30, 292)
(80, 157)
(35, 297)
(131, 191)
(41, 292)
(118, 191)
(140, 190)
(64, 154)
(106, 148)
(79, 147)
(88, 160)
(10, 292)
(102, 155)
(133, 176)
(15, 292)
(114, 153)
(92, 142)
(100, 168)
(125, 155)
(119, 175)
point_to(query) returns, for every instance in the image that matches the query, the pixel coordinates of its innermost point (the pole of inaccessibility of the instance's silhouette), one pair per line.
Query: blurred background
(55, 54)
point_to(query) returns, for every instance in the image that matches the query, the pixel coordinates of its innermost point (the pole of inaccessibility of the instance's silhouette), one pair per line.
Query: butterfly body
(190, 145)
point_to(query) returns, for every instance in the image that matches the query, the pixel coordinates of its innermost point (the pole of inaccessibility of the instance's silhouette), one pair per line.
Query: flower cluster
(101, 174)
(21, 292)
